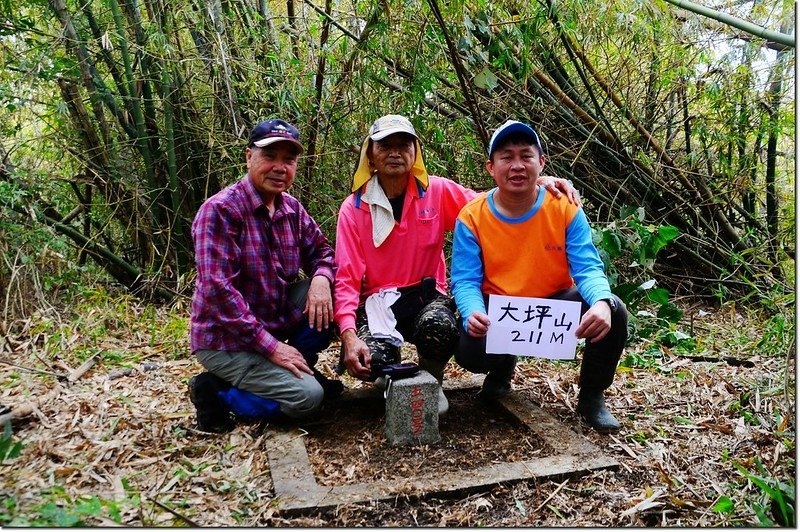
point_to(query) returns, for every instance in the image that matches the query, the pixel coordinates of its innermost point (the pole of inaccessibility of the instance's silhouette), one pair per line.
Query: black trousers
(599, 361)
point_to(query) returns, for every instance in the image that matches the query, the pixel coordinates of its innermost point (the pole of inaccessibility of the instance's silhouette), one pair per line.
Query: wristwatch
(612, 303)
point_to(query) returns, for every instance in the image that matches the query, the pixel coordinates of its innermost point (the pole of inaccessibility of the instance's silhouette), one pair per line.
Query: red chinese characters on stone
(417, 410)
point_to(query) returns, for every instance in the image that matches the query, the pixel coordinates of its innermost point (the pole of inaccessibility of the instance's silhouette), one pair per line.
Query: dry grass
(126, 436)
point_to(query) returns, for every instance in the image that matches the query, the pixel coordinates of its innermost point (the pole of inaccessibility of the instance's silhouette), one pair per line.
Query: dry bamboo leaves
(131, 436)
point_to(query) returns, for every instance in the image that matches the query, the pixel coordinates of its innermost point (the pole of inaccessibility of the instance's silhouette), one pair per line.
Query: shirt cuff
(266, 342)
(348, 322)
(326, 272)
(601, 297)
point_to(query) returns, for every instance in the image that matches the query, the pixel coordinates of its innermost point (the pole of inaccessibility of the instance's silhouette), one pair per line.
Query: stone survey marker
(296, 487)
(412, 415)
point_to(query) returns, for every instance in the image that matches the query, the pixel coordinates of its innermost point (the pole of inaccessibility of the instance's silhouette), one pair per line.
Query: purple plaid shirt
(245, 262)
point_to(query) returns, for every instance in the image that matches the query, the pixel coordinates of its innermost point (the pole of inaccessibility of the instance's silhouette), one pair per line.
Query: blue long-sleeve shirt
(544, 251)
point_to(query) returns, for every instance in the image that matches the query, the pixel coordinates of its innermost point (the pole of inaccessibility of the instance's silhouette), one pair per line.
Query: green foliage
(9, 449)
(229, 70)
(57, 509)
(778, 334)
(649, 358)
(775, 504)
(629, 241)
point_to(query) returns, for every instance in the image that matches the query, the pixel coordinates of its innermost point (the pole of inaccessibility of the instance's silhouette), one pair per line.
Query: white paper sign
(533, 326)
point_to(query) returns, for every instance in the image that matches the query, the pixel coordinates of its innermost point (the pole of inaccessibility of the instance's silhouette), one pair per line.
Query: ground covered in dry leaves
(118, 444)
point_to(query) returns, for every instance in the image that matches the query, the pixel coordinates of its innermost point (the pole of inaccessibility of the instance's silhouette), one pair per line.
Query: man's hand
(596, 323)
(356, 355)
(319, 303)
(556, 186)
(290, 358)
(478, 324)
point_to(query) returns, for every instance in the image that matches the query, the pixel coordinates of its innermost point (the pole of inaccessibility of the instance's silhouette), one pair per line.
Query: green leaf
(668, 232)
(521, 507)
(612, 244)
(670, 312)
(632, 210)
(658, 295)
(485, 79)
(8, 448)
(723, 506)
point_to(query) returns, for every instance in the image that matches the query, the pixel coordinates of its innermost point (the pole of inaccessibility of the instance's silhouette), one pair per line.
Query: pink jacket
(412, 251)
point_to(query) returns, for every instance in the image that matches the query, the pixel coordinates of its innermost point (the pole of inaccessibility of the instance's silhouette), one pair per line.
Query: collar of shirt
(256, 204)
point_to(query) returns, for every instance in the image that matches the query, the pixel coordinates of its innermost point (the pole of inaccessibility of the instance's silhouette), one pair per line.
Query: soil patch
(354, 449)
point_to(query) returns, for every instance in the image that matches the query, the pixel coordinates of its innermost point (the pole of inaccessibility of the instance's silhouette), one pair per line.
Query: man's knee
(304, 400)
(436, 332)
(471, 353)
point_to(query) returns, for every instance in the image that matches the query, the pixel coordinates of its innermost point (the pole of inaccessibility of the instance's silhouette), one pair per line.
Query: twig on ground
(698, 523)
(34, 370)
(555, 491)
(83, 368)
(174, 512)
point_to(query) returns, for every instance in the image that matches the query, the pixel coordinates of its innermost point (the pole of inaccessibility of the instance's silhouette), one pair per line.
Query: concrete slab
(296, 488)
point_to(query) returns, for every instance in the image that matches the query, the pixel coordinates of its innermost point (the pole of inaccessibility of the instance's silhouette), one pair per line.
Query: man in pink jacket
(391, 284)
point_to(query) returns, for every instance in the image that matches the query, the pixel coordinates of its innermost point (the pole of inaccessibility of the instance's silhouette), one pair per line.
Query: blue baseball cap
(272, 131)
(509, 128)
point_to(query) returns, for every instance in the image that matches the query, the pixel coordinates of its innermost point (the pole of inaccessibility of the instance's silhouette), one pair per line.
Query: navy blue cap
(509, 128)
(272, 131)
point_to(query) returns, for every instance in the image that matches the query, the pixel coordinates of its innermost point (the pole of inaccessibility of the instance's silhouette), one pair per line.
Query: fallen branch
(731, 361)
(34, 370)
(83, 368)
(174, 512)
(555, 491)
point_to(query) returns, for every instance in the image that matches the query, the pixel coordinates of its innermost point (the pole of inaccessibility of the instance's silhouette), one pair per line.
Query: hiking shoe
(592, 407)
(331, 388)
(213, 414)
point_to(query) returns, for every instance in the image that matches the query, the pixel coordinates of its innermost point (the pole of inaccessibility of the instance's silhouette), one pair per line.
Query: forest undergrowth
(708, 438)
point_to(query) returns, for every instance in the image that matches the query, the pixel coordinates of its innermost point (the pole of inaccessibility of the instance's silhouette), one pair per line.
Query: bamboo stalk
(81, 370)
(739, 24)
(138, 115)
(455, 60)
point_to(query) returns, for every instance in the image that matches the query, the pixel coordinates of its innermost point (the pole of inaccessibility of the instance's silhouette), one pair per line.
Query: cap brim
(274, 140)
(391, 131)
(510, 130)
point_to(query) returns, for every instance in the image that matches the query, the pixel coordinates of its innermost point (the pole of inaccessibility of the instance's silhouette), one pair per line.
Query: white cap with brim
(382, 128)
(389, 125)
(509, 128)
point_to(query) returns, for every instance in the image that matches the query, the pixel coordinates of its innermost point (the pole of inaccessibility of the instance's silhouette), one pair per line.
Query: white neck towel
(380, 209)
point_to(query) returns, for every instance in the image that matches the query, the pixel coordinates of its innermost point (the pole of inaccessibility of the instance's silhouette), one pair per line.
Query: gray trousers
(252, 372)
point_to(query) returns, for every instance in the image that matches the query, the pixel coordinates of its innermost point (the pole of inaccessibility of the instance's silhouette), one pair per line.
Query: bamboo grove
(121, 116)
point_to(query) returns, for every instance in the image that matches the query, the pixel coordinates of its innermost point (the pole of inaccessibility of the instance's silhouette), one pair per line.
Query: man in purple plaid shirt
(251, 241)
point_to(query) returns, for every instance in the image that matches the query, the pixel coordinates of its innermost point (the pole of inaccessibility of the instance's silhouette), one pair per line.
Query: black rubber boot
(331, 388)
(213, 415)
(592, 407)
(497, 383)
